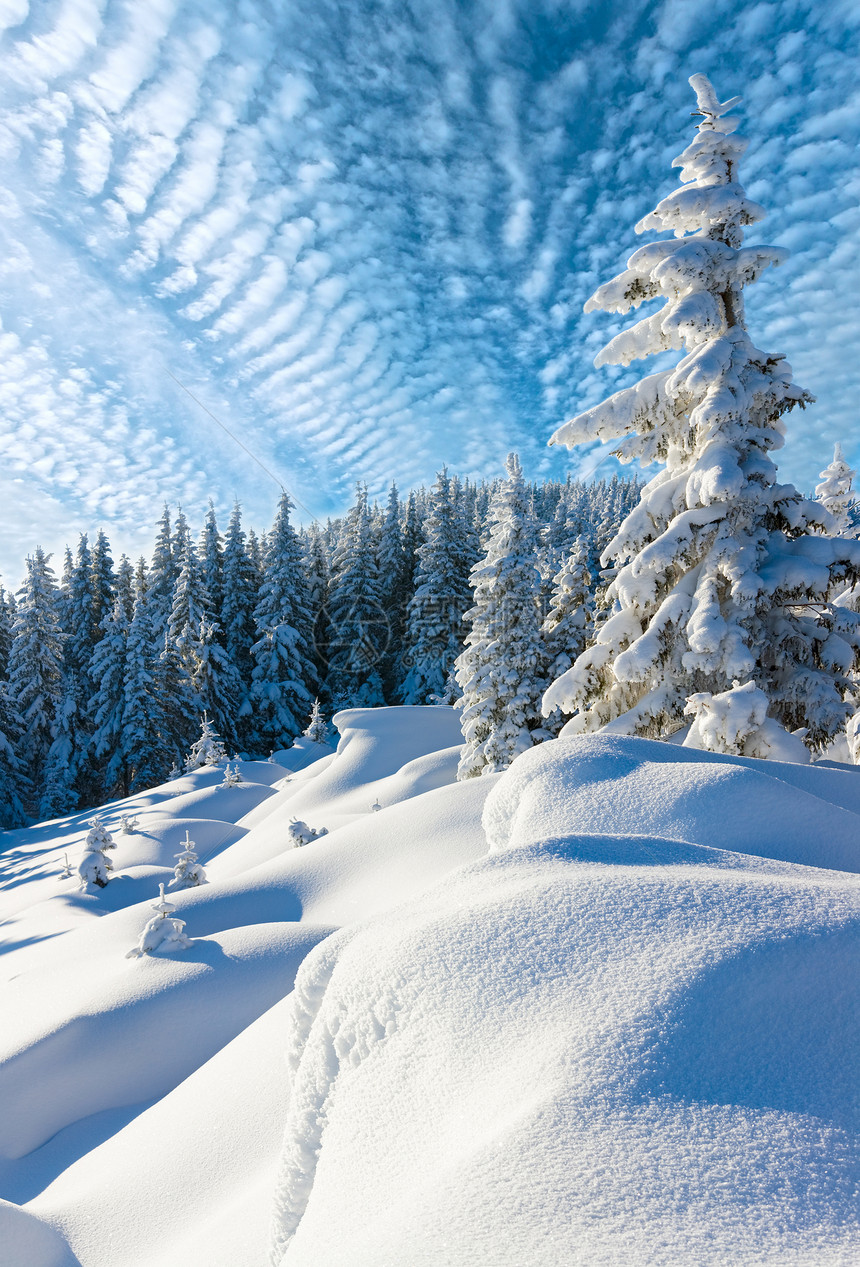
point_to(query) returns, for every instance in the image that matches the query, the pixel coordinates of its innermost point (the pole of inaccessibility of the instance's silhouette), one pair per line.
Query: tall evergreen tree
(146, 747)
(502, 671)
(435, 629)
(359, 626)
(719, 579)
(15, 786)
(108, 673)
(36, 668)
(284, 678)
(393, 596)
(211, 553)
(240, 588)
(161, 579)
(125, 585)
(7, 622)
(104, 582)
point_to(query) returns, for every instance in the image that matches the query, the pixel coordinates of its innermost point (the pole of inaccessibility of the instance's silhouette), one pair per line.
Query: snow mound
(376, 743)
(613, 785)
(368, 865)
(85, 1029)
(551, 1060)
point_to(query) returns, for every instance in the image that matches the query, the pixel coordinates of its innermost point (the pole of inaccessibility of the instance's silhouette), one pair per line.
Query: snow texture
(630, 1027)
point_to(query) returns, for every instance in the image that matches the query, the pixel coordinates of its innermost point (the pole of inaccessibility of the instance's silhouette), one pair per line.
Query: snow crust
(627, 1033)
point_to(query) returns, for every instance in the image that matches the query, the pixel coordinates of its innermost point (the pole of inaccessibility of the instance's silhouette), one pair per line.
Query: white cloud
(370, 240)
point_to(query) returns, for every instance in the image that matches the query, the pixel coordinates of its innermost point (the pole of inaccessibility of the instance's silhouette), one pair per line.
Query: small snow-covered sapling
(376, 807)
(95, 866)
(128, 822)
(232, 777)
(301, 834)
(209, 748)
(188, 872)
(66, 872)
(317, 728)
(161, 932)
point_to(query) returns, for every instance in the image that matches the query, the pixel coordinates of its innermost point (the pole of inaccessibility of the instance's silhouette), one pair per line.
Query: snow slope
(601, 1008)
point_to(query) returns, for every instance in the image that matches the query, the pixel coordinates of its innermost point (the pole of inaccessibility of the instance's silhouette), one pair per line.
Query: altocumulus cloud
(363, 235)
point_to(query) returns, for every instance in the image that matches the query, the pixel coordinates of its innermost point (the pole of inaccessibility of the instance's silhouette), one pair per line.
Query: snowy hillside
(600, 1008)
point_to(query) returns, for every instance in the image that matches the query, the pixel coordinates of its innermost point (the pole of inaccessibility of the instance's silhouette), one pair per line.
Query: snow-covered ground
(602, 1008)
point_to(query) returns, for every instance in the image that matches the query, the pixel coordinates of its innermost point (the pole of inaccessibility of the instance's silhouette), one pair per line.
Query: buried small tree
(723, 574)
(161, 932)
(188, 872)
(95, 866)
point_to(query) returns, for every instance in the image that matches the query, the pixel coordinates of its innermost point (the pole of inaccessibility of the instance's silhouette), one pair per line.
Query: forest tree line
(106, 671)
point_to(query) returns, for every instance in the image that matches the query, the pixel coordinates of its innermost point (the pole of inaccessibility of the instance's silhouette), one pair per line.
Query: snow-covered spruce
(317, 728)
(283, 671)
(95, 866)
(723, 574)
(35, 687)
(358, 627)
(162, 932)
(836, 493)
(188, 872)
(208, 749)
(502, 671)
(435, 618)
(566, 625)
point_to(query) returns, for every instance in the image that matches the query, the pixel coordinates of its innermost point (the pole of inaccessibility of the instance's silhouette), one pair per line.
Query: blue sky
(362, 236)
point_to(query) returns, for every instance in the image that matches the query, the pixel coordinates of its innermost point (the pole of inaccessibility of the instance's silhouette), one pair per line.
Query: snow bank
(93, 1033)
(376, 743)
(614, 785)
(189, 1181)
(546, 1060)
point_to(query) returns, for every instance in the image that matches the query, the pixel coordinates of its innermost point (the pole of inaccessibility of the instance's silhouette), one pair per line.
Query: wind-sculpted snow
(625, 1034)
(586, 1050)
(616, 786)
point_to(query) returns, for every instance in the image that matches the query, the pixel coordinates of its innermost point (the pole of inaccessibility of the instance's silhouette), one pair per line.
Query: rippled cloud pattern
(362, 235)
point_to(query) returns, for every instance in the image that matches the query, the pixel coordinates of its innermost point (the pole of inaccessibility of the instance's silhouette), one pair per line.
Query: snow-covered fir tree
(284, 676)
(147, 757)
(104, 580)
(502, 671)
(163, 932)
(59, 795)
(836, 493)
(188, 872)
(393, 595)
(317, 728)
(435, 628)
(360, 633)
(239, 584)
(7, 622)
(95, 865)
(15, 787)
(161, 578)
(108, 676)
(125, 585)
(211, 554)
(36, 668)
(208, 749)
(566, 625)
(720, 576)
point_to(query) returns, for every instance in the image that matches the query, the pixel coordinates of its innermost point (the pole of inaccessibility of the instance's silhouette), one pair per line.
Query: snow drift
(624, 1034)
